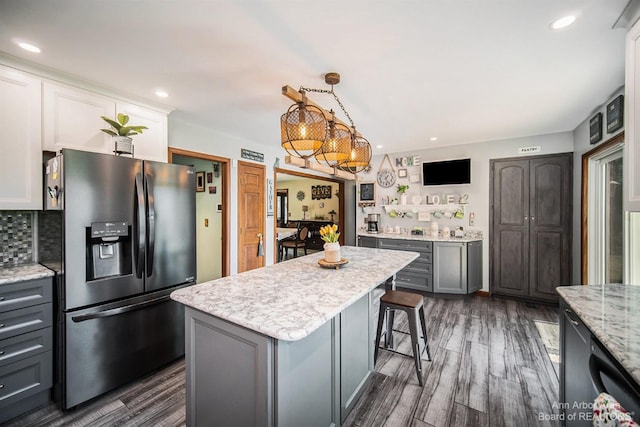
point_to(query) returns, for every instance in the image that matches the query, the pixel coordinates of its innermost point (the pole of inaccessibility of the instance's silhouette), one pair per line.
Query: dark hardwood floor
(489, 368)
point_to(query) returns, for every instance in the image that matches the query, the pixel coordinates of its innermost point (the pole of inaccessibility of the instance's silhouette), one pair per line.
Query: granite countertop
(425, 238)
(291, 299)
(611, 314)
(21, 273)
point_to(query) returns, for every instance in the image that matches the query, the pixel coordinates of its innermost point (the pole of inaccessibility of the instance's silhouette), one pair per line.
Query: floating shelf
(424, 208)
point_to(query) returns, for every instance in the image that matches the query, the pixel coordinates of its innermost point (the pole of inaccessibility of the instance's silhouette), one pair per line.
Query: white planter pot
(122, 145)
(332, 252)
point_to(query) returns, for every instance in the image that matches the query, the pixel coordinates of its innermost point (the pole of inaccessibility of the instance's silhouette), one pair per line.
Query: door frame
(226, 196)
(584, 202)
(341, 210)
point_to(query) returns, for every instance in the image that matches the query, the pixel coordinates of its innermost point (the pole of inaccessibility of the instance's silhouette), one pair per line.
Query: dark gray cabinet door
(575, 381)
(510, 246)
(450, 267)
(550, 225)
(531, 225)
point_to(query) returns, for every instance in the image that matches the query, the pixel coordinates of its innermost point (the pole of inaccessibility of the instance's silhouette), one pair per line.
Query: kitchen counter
(426, 238)
(21, 273)
(291, 299)
(611, 314)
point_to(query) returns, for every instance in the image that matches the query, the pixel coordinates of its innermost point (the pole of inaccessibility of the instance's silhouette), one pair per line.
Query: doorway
(602, 213)
(212, 212)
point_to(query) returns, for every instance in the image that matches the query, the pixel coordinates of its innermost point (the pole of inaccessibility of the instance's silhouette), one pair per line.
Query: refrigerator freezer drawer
(114, 344)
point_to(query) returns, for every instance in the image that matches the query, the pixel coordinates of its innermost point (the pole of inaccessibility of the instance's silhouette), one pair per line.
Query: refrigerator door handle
(139, 226)
(151, 224)
(120, 310)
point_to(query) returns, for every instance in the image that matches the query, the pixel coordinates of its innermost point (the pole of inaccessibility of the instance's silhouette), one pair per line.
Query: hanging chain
(336, 98)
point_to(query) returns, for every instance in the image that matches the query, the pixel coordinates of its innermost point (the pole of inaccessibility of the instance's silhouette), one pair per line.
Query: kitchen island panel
(233, 365)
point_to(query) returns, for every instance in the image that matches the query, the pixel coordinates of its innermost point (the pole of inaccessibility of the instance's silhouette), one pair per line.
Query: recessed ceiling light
(433, 138)
(162, 94)
(563, 22)
(379, 146)
(29, 47)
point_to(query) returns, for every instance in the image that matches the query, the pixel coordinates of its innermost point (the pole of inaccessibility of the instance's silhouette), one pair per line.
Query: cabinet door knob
(526, 218)
(533, 218)
(1, 352)
(1, 325)
(1, 298)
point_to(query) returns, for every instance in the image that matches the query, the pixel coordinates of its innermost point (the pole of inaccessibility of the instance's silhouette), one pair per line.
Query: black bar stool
(413, 305)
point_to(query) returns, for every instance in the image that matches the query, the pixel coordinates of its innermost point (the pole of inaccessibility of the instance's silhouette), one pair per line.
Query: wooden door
(550, 225)
(510, 235)
(251, 214)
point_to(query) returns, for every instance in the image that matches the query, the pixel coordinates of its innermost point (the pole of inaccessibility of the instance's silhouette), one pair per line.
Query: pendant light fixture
(309, 131)
(337, 147)
(359, 158)
(303, 129)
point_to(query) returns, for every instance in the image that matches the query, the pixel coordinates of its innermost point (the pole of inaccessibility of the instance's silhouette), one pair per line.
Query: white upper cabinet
(632, 121)
(20, 140)
(71, 119)
(152, 143)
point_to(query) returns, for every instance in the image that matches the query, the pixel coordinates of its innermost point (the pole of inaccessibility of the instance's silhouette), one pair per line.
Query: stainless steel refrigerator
(126, 231)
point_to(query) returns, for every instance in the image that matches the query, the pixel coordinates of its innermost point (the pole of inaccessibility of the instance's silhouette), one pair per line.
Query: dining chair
(300, 241)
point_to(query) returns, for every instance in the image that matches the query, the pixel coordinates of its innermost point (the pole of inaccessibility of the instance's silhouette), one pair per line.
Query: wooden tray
(336, 265)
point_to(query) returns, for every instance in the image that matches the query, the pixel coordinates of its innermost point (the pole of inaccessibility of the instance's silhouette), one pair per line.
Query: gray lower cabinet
(419, 274)
(240, 377)
(457, 267)
(26, 362)
(442, 267)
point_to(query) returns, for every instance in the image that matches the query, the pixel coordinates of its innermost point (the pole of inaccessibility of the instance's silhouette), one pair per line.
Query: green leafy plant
(402, 188)
(120, 128)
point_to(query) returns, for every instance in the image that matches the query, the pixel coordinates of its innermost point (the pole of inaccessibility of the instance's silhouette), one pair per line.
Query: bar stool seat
(412, 304)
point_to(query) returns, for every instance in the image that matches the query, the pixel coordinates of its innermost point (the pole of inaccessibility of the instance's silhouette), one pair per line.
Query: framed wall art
(615, 114)
(199, 181)
(595, 128)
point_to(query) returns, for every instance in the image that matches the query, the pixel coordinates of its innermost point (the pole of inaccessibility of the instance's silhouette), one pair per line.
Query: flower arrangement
(402, 188)
(329, 233)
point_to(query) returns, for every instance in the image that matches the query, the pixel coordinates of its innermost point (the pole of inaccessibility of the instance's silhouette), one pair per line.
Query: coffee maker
(372, 223)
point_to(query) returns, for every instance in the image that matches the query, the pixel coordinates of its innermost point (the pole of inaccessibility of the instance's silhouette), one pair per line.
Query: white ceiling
(463, 71)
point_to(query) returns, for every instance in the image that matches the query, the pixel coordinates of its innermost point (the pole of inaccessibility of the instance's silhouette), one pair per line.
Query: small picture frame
(209, 177)
(199, 182)
(402, 173)
(595, 128)
(615, 114)
(213, 190)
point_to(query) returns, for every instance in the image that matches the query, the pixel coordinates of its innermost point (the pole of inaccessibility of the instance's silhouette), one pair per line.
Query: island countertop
(611, 314)
(291, 299)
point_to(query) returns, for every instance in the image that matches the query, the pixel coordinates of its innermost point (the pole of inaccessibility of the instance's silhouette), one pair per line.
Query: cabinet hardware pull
(569, 312)
(1, 298)
(526, 218)
(1, 325)
(1, 352)
(1, 386)
(533, 218)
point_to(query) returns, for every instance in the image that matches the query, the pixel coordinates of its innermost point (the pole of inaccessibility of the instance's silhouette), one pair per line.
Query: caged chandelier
(308, 131)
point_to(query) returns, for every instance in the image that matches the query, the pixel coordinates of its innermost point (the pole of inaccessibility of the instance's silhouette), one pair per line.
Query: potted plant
(402, 188)
(121, 133)
(329, 233)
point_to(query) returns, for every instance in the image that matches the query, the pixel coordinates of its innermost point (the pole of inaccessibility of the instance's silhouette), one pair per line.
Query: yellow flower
(329, 233)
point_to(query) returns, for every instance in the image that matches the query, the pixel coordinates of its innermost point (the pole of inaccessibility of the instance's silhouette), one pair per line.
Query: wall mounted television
(447, 172)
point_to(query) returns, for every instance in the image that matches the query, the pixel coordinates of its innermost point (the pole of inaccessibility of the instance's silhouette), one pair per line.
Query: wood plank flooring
(489, 368)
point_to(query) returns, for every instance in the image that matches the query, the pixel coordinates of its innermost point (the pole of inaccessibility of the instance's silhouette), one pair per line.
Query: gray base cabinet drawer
(25, 320)
(420, 282)
(25, 294)
(25, 345)
(25, 378)
(405, 245)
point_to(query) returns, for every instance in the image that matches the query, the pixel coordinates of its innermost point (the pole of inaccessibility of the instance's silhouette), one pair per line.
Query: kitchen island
(289, 344)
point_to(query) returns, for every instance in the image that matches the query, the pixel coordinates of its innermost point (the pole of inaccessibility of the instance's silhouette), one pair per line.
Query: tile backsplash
(16, 238)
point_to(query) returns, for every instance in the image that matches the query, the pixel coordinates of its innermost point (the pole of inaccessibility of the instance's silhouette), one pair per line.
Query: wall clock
(386, 176)
(300, 195)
